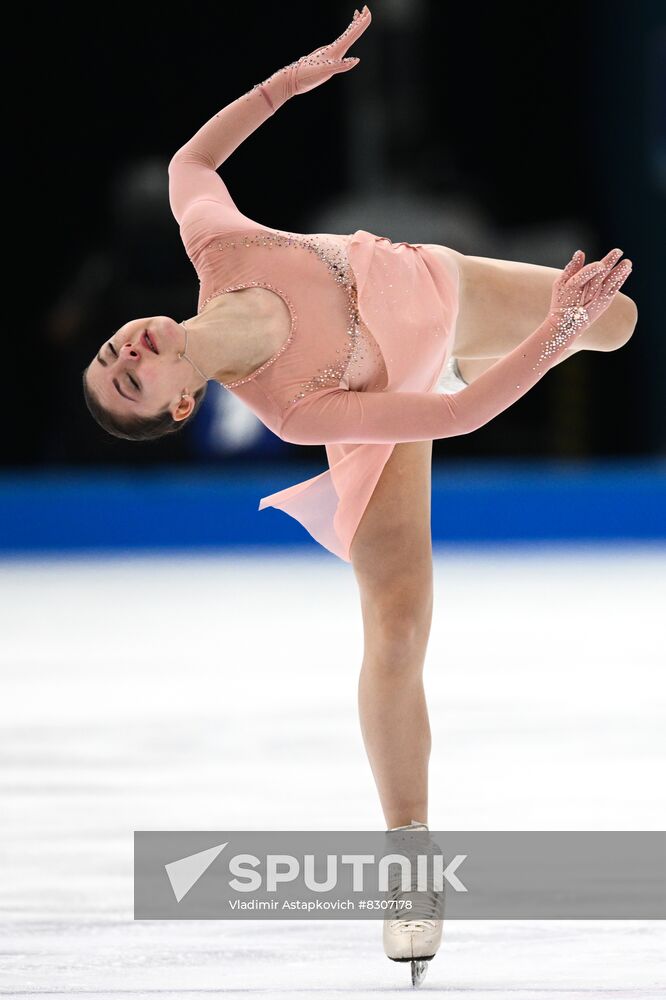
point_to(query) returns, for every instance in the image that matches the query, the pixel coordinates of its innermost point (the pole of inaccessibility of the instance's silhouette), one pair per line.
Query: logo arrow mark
(184, 872)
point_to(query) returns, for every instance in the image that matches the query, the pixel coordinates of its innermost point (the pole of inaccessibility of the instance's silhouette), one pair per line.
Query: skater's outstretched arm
(193, 176)
(193, 173)
(336, 415)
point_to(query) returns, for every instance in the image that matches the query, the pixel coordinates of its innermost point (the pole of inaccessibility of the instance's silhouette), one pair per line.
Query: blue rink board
(497, 502)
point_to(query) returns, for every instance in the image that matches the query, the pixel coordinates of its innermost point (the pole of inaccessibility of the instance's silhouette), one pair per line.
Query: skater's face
(137, 371)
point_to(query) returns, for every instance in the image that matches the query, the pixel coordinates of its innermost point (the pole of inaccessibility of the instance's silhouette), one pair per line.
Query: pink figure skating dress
(373, 325)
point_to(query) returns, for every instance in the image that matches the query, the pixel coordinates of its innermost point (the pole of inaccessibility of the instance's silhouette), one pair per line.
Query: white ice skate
(415, 938)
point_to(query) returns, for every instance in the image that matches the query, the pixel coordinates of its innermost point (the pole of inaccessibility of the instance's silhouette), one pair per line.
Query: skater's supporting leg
(392, 559)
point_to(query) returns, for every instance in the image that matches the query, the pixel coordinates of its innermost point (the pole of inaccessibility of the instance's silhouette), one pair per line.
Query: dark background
(529, 128)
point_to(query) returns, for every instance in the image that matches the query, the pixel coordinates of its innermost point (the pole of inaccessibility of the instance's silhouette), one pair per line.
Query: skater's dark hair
(137, 428)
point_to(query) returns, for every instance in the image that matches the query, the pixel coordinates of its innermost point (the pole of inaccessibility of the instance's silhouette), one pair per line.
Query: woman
(349, 341)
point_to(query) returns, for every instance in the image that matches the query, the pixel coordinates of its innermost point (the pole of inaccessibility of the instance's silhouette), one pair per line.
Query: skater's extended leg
(503, 301)
(392, 559)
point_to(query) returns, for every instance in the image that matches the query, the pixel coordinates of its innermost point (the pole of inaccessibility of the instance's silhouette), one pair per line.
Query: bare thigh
(391, 552)
(503, 301)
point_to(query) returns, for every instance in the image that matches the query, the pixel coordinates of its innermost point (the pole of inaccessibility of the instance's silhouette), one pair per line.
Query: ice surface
(219, 692)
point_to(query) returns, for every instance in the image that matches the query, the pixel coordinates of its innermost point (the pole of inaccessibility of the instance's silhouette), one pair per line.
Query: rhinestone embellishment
(569, 321)
(335, 258)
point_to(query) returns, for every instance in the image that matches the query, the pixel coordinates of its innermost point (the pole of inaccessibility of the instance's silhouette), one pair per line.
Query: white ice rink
(219, 692)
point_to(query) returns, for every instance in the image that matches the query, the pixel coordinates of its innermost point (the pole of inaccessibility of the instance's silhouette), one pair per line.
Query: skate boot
(451, 380)
(415, 935)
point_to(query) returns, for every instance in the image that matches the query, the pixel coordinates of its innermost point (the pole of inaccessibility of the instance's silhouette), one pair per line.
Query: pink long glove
(192, 170)
(580, 295)
(319, 66)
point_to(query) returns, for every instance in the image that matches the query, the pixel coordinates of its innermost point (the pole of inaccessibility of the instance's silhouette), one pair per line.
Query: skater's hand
(320, 65)
(581, 294)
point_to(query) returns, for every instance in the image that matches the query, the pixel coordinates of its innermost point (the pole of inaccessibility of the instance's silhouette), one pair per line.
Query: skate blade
(423, 958)
(419, 969)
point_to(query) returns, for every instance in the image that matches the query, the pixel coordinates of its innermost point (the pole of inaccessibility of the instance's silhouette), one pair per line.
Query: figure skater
(373, 349)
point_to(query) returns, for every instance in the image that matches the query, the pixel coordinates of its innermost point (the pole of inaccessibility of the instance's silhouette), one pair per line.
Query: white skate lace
(424, 901)
(408, 925)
